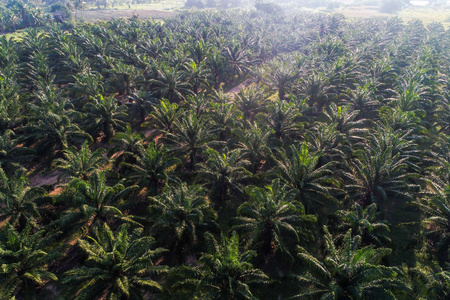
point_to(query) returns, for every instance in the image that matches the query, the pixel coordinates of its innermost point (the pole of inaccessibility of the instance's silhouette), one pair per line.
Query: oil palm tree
(86, 84)
(92, 202)
(118, 265)
(349, 272)
(316, 89)
(251, 101)
(284, 119)
(10, 102)
(19, 201)
(364, 222)
(238, 59)
(223, 174)
(140, 104)
(437, 222)
(80, 163)
(223, 118)
(270, 222)
(198, 76)
(104, 114)
(170, 84)
(123, 78)
(192, 136)
(53, 131)
(300, 170)
(182, 215)
(224, 272)
(24, 260)
(153, 168)
(11, 155)
(380, 171)
(254, 146)
(125, 146)
(280, 75)
(164, 117)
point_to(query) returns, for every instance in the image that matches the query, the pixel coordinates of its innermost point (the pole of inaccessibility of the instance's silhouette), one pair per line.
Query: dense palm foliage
(226, 155)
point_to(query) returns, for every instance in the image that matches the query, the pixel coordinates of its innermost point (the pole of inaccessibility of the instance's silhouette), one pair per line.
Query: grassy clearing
(157, 10)
(426, 15)
(361, 12)
(108, 14)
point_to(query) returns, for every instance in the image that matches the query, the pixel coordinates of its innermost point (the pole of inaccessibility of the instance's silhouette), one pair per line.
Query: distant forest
(225, 155)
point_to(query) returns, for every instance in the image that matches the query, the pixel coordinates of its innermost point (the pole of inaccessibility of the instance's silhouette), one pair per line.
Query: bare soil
(45, 179)
(236, 89)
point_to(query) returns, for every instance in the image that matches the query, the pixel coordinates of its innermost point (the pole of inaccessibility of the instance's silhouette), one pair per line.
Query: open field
(108, 14)
(426, 15)
(361, 12)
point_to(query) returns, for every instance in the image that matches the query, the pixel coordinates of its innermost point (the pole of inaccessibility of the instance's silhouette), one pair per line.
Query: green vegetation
(226, 155)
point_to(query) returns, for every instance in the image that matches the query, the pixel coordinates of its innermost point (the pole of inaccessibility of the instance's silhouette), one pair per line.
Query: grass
(156, 10)
(426, 15)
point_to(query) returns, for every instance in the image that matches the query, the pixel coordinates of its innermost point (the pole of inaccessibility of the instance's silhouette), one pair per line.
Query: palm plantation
(224, 155)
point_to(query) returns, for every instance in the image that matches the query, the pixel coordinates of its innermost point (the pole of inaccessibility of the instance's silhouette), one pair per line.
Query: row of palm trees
(327, 176)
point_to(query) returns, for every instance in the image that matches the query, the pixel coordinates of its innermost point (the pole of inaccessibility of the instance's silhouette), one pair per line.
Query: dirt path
(45, 179)
(235, 90)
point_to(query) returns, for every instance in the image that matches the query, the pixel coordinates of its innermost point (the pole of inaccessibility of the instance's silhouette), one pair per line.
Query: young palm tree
(191, 137)
(222, 174)
(253, 146)
(153, 168)
(273, 220)
(140, 105)
(223, 116)
(299, 169)
(18, 200)
(170, 84)
(80, 163)
(24, 260)
(120, 265)
(251, 101)
(380, 171)
(93, 203)
(283, 118)
(349, 272)
(53, 131)
(164, 117)
(437, 222)
(223, 273)
(182, 216)
(363, 222)
(104, 115)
